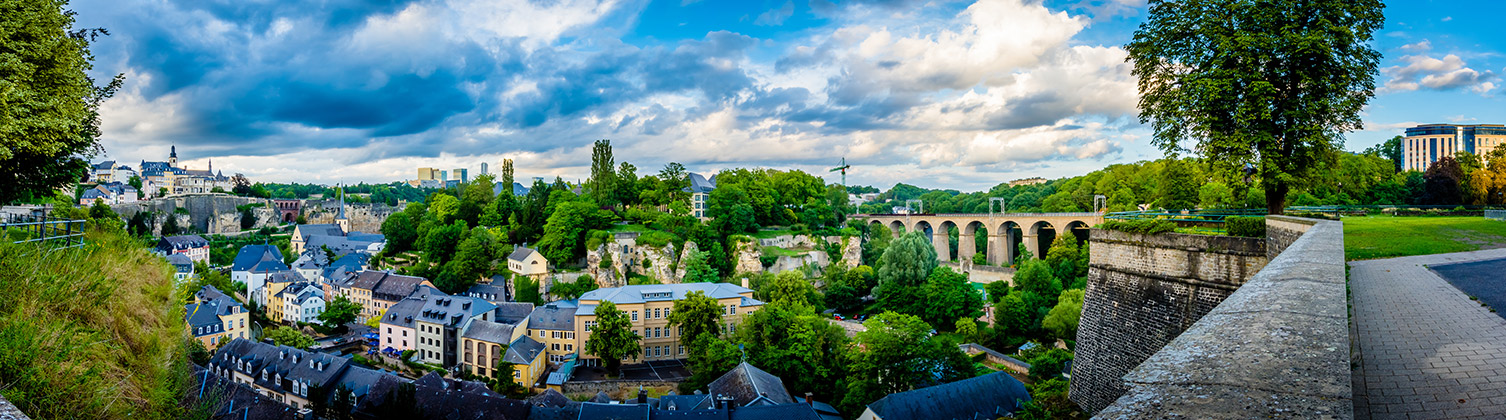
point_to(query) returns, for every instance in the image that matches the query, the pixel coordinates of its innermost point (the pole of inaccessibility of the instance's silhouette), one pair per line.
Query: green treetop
(903, 269)
(612, 338)
(694, 316)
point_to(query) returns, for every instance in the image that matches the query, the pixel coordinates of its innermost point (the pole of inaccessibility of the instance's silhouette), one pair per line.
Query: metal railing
(53, 232)
(1190, 216)
(1495, 214)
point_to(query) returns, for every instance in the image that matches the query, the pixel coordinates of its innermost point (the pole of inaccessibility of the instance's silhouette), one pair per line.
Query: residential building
(745, 393)
(110, 171)
(527, 262)
(700, 193)
(182, 180)
(336, 237)
(109, 193)
(749, 385)
(495, 292)
(182, 267)
(440, 398)
(192, 246)
(990, 396)
(440, 323)
(649, 306)
(554, 325)
(1425, 144)
(376, 291)
(281, 373)
(302, 234)
(314, 264)
(301, 302)
(395, 329)
(215, 319)
(484, 344)
(275, 284)
(1027, 181)
(252, 265)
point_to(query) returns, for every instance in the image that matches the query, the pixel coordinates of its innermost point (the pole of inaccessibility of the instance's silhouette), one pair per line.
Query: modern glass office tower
(1425, 144)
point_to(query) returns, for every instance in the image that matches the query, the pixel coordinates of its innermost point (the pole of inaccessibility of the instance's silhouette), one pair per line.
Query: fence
(1495, 214)
(53, 232)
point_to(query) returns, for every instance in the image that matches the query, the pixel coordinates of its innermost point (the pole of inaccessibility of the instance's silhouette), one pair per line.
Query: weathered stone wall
(1282, 231)
(1143, 291)
(9, 411)
(980, 273)
(209, 213)
(363, 217)
(1276, 348)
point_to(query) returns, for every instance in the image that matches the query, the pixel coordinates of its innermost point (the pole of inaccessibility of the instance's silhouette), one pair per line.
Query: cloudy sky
(939, 94)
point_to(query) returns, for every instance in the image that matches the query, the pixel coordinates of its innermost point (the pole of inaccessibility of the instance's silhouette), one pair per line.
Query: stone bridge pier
(1005, 231)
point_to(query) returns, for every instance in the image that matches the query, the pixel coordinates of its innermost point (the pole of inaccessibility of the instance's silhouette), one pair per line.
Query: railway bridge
(1005, 230)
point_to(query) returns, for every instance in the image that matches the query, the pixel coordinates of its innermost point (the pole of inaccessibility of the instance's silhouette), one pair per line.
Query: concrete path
(1424, 349)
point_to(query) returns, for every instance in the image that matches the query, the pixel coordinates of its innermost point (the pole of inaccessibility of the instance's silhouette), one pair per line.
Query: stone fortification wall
(363, 217)
(1143, 291)
(209, 213)
(618, 389)
(1276, 348)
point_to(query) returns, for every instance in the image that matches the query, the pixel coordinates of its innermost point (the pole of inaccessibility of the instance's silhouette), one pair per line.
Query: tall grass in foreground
(94, 332)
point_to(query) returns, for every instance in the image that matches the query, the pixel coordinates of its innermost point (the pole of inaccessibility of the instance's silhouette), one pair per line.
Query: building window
(656, 313)
(635, 315)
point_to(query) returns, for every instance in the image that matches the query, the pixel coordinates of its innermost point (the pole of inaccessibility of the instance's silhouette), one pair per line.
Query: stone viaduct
(1005, 230)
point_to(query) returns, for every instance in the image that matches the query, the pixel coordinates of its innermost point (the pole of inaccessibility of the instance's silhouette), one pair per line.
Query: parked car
(837, 317)
(861, 318)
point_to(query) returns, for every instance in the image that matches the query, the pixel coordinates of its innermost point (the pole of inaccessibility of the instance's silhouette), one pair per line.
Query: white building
(302, 302)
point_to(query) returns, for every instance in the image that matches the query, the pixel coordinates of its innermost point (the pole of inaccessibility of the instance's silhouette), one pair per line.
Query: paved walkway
(1425, 350)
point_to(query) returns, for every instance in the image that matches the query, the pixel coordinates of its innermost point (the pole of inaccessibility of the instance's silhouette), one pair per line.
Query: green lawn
(1388, 236)
(628, 228)
(767, 234)
(780, 252)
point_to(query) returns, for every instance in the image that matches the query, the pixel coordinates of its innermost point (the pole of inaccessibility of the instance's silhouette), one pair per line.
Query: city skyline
(961, 95)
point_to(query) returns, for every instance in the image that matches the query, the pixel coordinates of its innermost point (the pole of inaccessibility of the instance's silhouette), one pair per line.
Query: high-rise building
(444, 175)
(1425, 144)
(428, 173)
(461, 174)
(483, 168)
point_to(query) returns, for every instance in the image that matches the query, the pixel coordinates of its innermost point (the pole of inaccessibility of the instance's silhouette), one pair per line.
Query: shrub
(1246, 226)
(1144, 226)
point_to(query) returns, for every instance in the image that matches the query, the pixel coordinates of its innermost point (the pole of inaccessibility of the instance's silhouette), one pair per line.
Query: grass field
(1387, 236)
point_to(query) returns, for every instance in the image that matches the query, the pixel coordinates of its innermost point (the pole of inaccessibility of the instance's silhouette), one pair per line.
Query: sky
(940, 94)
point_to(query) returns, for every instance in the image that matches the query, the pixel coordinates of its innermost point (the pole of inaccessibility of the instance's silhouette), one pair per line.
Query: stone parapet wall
(10, 412)
(613, 387)
(1282, 231)
(1142, 292)
(1276, 348)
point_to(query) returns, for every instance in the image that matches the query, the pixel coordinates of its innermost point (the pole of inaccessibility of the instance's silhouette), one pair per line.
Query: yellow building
(649, 306)
(215, 319)
(276, 282)
(554, 325)
(1425, 144)
(376, 291)
(485, 343)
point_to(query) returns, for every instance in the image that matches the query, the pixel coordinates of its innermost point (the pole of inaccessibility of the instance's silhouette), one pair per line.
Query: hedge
(1246, 226)
(1144, 226)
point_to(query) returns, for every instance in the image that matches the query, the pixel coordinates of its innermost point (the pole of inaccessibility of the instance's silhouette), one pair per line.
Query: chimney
(808, 399)
(642, 396)
(745, 282)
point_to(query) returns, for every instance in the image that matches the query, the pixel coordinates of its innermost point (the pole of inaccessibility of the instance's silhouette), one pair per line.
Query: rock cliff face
(746, 254)
(628, 257)
(209, 213)
(363, 217)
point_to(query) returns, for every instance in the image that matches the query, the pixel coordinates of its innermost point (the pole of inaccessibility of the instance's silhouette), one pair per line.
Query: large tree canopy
(49, 107)
(1273, 83)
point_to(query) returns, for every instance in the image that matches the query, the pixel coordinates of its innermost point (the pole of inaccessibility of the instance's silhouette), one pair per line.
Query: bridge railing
(1072, 214)
(1191, 216)
(53, 232)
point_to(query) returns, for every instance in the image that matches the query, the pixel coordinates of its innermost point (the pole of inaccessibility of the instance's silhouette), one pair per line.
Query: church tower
(172, 159)
(340, 219)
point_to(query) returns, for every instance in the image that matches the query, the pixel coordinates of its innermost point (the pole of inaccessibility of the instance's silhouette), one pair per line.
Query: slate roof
(453, 311)
(387, 286)
(404, 312)
(181, 262)
(557, 315)
(316, 369)
(449, 399)
(599, 411)
(306, 231)
(340, 245)
(359, 380)
(569, 412)
(258, 259)
(984, 397)
(747, 384)
(523, 350)
(490, 332)
(521, 254)
(230, 400)
(701, 184)
(495, 292)
(181, 242)
(795, 411)
(203, 318)
(685, 402)
(662, 293)
(513, 312)
(285, 277)
(95, 193)
(517, 189)
(209, 293)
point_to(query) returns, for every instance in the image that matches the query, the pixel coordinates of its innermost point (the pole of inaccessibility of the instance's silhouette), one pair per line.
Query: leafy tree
(715, 358)
(340, 408)
(627, 189)
(527, 290)
(1066, 260)
(1013, 318)
(573, 290)
(102, 211)
(140, 224)
(967, 328)
(438, 244)
(900, 354)
(1215, 195)
(1035, 276)
(400, 230)
(1280, 99)
(507, 175)
(903, 270)
(1049, 401)
(996, 291)
(948, 297)
(1046, 362)
(792, 341)
(170, 227)
(1062, 320)
(1390, 149)
(791, 287)
(613, 338)
(1179, 187)
(49, 124)
(694, 316)
(603, 183)
(197, 353)
(502, 378)
(288, 336)
(248, 219)
(565, 234)
(473, 261)
(135, 182)
(339, 311)
(1443, 182)
(699, 270)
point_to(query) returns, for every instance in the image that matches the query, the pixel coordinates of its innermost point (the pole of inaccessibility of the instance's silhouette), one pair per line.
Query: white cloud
(1447, 73)
(1420, 46)
(776, 17)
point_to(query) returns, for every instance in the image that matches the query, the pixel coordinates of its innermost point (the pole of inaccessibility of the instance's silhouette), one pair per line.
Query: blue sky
(940, 94)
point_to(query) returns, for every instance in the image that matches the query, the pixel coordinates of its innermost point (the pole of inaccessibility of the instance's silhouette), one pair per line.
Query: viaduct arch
(1005, 231)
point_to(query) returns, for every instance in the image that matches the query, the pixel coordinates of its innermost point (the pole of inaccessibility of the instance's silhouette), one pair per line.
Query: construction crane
(842, 169)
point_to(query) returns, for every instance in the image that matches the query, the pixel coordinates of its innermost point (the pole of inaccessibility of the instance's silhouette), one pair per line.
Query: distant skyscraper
(428, 173)
(483, 168)
(1425, 144)
(461, 174)
(444, 175)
